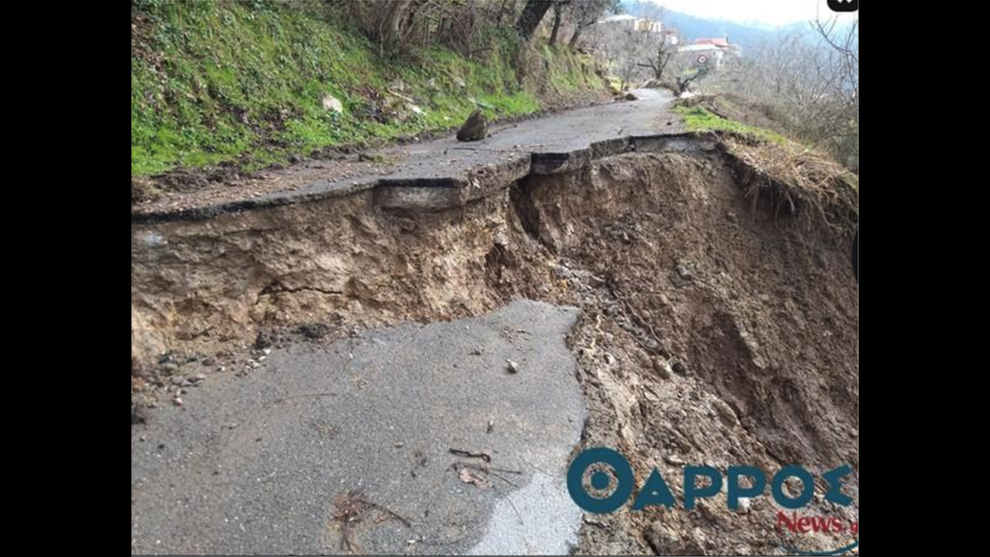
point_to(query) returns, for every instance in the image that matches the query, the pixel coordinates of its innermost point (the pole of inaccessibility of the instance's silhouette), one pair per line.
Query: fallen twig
(460, 452)
(350, 509)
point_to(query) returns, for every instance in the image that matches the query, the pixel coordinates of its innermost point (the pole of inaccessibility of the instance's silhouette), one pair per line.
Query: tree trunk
(501, 12)
(531, 16)
(577, 34)
(390, 22)
(556, 24)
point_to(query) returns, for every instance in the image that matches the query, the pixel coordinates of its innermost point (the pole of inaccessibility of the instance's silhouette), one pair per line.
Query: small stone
(707, 511)
(267, 351)
(332, 104)
(731, 216)
(512, 366)
(177, 401)
(167, 367)
(314, 331)
(476, 352)
(663, 540)
(475, 128)
(684, 272)
(765, 298)
(726, 413)
(139, 413)
(262, 358)
(680, 368)
(399, 445)
(663, 369)
(674, 460)
(263, 340)
(178, 379)
(744, 505)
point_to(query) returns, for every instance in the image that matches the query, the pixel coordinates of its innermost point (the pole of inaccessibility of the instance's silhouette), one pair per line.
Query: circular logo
(600, 480)
(702, 59)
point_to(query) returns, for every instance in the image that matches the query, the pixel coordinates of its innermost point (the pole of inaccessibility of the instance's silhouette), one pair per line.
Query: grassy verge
(256, 83)
(794, 178)
(698, 118)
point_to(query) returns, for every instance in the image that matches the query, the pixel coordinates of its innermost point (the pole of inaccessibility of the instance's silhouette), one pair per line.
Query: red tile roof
(715, 42)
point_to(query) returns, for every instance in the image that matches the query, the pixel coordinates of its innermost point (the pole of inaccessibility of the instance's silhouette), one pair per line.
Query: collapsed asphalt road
(433, 168)
(264, 463)
(717, 328)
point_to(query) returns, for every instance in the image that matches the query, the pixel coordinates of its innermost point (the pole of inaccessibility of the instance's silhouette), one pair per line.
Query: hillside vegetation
(255, 83)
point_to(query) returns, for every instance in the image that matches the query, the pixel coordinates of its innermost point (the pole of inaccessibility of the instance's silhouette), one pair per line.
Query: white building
(624, 20)
(634, 23)
(710, 52)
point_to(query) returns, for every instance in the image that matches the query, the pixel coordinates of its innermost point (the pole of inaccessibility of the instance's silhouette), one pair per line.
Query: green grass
(243, 82)
(697, 118)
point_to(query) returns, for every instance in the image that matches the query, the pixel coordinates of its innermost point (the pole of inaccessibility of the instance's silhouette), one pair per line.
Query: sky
(766, 12)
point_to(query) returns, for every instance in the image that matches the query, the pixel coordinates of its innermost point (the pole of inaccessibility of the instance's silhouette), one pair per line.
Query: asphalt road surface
(255, 464)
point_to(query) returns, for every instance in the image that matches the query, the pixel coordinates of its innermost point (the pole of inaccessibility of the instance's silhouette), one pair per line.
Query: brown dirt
(714, 331)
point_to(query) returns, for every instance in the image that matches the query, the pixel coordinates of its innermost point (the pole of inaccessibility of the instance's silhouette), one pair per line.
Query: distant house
(624, 20)
(634, 23)
(649, 26)
(671, 36)
(721, 42)
(710, 52)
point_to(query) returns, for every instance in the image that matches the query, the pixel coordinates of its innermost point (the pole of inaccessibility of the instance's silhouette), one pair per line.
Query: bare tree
(505, 7)
(805, 85)
(664, 52)
(682, 83)
(624, 50)
(558, 13)
(586, 12)
(393, 16)
(531, 16)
